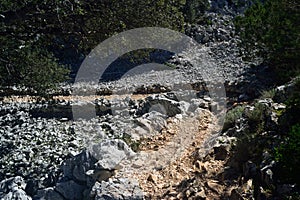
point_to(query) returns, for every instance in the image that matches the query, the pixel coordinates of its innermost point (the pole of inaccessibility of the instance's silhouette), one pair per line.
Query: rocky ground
(55, 156)
(141, 145)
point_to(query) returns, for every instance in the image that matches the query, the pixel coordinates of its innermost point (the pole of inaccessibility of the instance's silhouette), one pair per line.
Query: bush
(36, 35)
(258, 113)
(194, 10)
(28, 66)
(135, 145)
(258, 117)
(271, 30)
(270, 94)
(292, 114)
(288, 156)
(232, 116)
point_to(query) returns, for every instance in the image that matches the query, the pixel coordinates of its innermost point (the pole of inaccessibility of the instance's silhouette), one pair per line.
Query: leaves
(288, 156)
(271, 30)
(37, 36)
(29, 66)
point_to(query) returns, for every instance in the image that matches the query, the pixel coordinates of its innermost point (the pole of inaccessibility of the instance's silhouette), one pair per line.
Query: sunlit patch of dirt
(174, 170)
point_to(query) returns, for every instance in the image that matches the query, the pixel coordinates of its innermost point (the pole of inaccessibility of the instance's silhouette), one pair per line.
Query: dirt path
(166, 160)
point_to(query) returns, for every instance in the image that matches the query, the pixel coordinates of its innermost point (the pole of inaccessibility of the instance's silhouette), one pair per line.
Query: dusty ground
(169, 166)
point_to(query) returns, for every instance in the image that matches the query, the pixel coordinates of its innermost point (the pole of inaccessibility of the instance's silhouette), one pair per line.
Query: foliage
(194, 9)
(250, 146)
(29, 66)
(271, 30)
(64, 32)
(250, 141)
(134, 144)
(255, 116)
(293, 196)
(288, 155)
(268, 94)
(232, 116)
(258, 114)
(292, 114)
(294, 101)
(79, 23)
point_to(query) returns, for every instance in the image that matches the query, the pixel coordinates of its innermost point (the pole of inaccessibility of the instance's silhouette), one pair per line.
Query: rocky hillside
(150, 141)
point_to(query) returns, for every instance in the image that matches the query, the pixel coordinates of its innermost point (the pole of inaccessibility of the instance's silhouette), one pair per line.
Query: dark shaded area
(64, 111)
(57, 35)
(259, 78)
(130, 60)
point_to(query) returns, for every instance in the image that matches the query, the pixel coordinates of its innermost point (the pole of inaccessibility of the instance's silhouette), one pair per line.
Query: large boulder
(160, 104)
(80, 172)
(109, 153)
(70, 190)
(117, 189)
(149, 124)
(76, 167)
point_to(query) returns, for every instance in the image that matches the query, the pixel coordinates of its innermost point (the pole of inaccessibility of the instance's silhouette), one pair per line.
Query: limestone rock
(117, 189)
(109, 153)
(75, 168)
(13, 189)
(215, 186)
(160, 104)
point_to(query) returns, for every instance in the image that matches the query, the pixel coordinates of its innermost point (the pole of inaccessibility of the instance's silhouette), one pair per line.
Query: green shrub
(292, 114)
(268, 94)
(294, 100)
(257, 114)
(257, 117)
(194, 10)
(133, 144)
(294, 196)
(288, 156)
(232, 116)
(29, 66)
(36, 32)
(271, 30)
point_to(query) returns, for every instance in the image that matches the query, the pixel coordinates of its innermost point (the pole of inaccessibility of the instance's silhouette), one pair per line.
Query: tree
(36, 35)
(272, 30)
(29, 66)
(194, 9)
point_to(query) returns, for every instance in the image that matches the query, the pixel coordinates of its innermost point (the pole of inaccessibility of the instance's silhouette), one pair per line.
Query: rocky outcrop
(119, 189)
(13, 188)
(163, 105)
(80, 173)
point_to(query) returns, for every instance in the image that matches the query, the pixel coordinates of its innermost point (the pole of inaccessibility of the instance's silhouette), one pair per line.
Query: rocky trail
(165, 141)
(172, 151)
(156, 135)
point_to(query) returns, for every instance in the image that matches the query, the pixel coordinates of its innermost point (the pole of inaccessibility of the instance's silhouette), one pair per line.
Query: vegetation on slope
(271, 30)
(40, 39)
